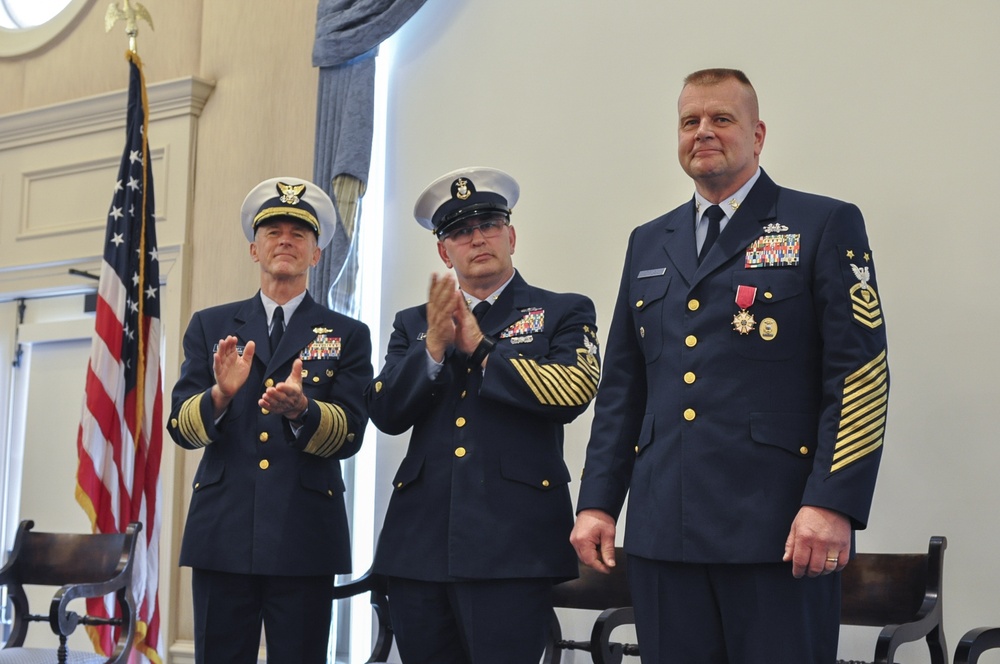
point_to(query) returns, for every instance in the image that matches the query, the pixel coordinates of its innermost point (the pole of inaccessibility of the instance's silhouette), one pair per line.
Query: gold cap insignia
(290, 193)
(462, 190)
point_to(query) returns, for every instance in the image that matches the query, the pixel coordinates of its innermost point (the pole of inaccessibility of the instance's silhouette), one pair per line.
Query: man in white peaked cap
(272, 390)
(484, 375)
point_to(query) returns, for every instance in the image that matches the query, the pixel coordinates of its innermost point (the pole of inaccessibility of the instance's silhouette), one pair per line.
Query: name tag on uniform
(655, 272)
(239, 350)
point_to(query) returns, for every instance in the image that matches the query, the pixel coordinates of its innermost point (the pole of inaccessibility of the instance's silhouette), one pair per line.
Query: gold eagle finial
(131, 12)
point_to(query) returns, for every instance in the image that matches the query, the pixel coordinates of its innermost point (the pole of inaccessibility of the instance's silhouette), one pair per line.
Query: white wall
(889, 104)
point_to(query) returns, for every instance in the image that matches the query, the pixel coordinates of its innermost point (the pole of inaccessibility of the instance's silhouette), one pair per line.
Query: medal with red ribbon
(745, 296)
(743, 321)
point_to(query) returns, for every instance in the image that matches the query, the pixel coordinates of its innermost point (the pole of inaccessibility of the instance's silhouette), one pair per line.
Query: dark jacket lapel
(757, 209)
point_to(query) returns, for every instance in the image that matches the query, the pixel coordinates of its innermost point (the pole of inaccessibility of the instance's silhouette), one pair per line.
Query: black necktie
(480, 310)
(277, 327)
(715, 215)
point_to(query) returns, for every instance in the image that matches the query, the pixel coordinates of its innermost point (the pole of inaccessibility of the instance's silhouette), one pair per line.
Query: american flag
(121, 432)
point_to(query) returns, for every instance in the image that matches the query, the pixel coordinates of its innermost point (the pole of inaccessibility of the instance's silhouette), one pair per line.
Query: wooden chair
(607, 593)
(900, 592)
(375, 584)
(81, 566)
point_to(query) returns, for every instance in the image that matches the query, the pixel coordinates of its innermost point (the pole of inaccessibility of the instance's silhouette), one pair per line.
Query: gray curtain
(348, 33)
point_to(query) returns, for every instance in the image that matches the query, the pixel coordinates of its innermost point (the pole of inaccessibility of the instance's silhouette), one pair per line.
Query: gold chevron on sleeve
(865, 305)
(331, 432)
(862, 414)
(190, 424)
(559, 384)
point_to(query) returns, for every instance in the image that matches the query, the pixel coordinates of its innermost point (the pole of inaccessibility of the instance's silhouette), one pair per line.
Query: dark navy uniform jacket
(737, 391)
(483, 490)
(264, 501)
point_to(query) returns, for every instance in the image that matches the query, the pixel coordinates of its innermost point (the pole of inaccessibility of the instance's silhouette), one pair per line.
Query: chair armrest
(927, 618)
(6, 571)
(603, 651)
(928, 622)
(367, 582)
(15, 591)
(893, 636)
(376, 585)
(64, 620)
(975, 642)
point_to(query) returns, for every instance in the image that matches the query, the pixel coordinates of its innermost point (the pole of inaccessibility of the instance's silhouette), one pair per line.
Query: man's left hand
(818, 543)
(467, 331)
(286, 398)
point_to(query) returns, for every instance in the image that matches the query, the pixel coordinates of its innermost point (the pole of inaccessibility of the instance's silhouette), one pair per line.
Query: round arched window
(27, 25)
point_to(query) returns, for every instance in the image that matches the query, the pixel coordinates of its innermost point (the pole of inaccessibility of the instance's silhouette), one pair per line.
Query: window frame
(15, 43)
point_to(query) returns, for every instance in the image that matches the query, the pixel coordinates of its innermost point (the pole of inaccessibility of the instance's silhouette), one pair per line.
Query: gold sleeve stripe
(861, 381)
(331, 432)
(190, 423)
(558, 384)
(863, 413)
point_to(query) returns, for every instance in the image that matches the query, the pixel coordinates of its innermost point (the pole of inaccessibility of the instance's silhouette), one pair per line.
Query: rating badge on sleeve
(865, 306)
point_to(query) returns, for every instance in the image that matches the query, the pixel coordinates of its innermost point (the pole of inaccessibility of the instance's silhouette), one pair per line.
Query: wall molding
(182, 96)
(48, 279)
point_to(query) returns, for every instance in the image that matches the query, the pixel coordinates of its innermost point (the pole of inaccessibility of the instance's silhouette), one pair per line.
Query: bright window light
(20, 14)
(28, 25)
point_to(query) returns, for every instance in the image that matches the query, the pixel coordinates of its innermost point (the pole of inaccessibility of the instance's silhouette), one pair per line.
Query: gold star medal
(743, 321)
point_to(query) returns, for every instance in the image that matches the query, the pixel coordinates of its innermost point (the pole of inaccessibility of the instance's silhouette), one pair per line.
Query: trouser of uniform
(470, 622)
(733, 614)
(229, 610)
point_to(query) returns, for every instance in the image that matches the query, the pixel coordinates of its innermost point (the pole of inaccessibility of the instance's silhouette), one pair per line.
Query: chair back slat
(883, 589)
(56, 559)
(593, 590)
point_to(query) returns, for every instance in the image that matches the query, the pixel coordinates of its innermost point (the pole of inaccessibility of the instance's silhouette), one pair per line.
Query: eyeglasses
(490, 228)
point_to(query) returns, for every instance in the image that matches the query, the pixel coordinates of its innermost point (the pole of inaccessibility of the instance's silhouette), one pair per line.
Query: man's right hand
(593, 537)
(231, 370)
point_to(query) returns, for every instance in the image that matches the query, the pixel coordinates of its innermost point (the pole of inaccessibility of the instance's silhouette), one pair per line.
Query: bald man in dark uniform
(743, 405)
